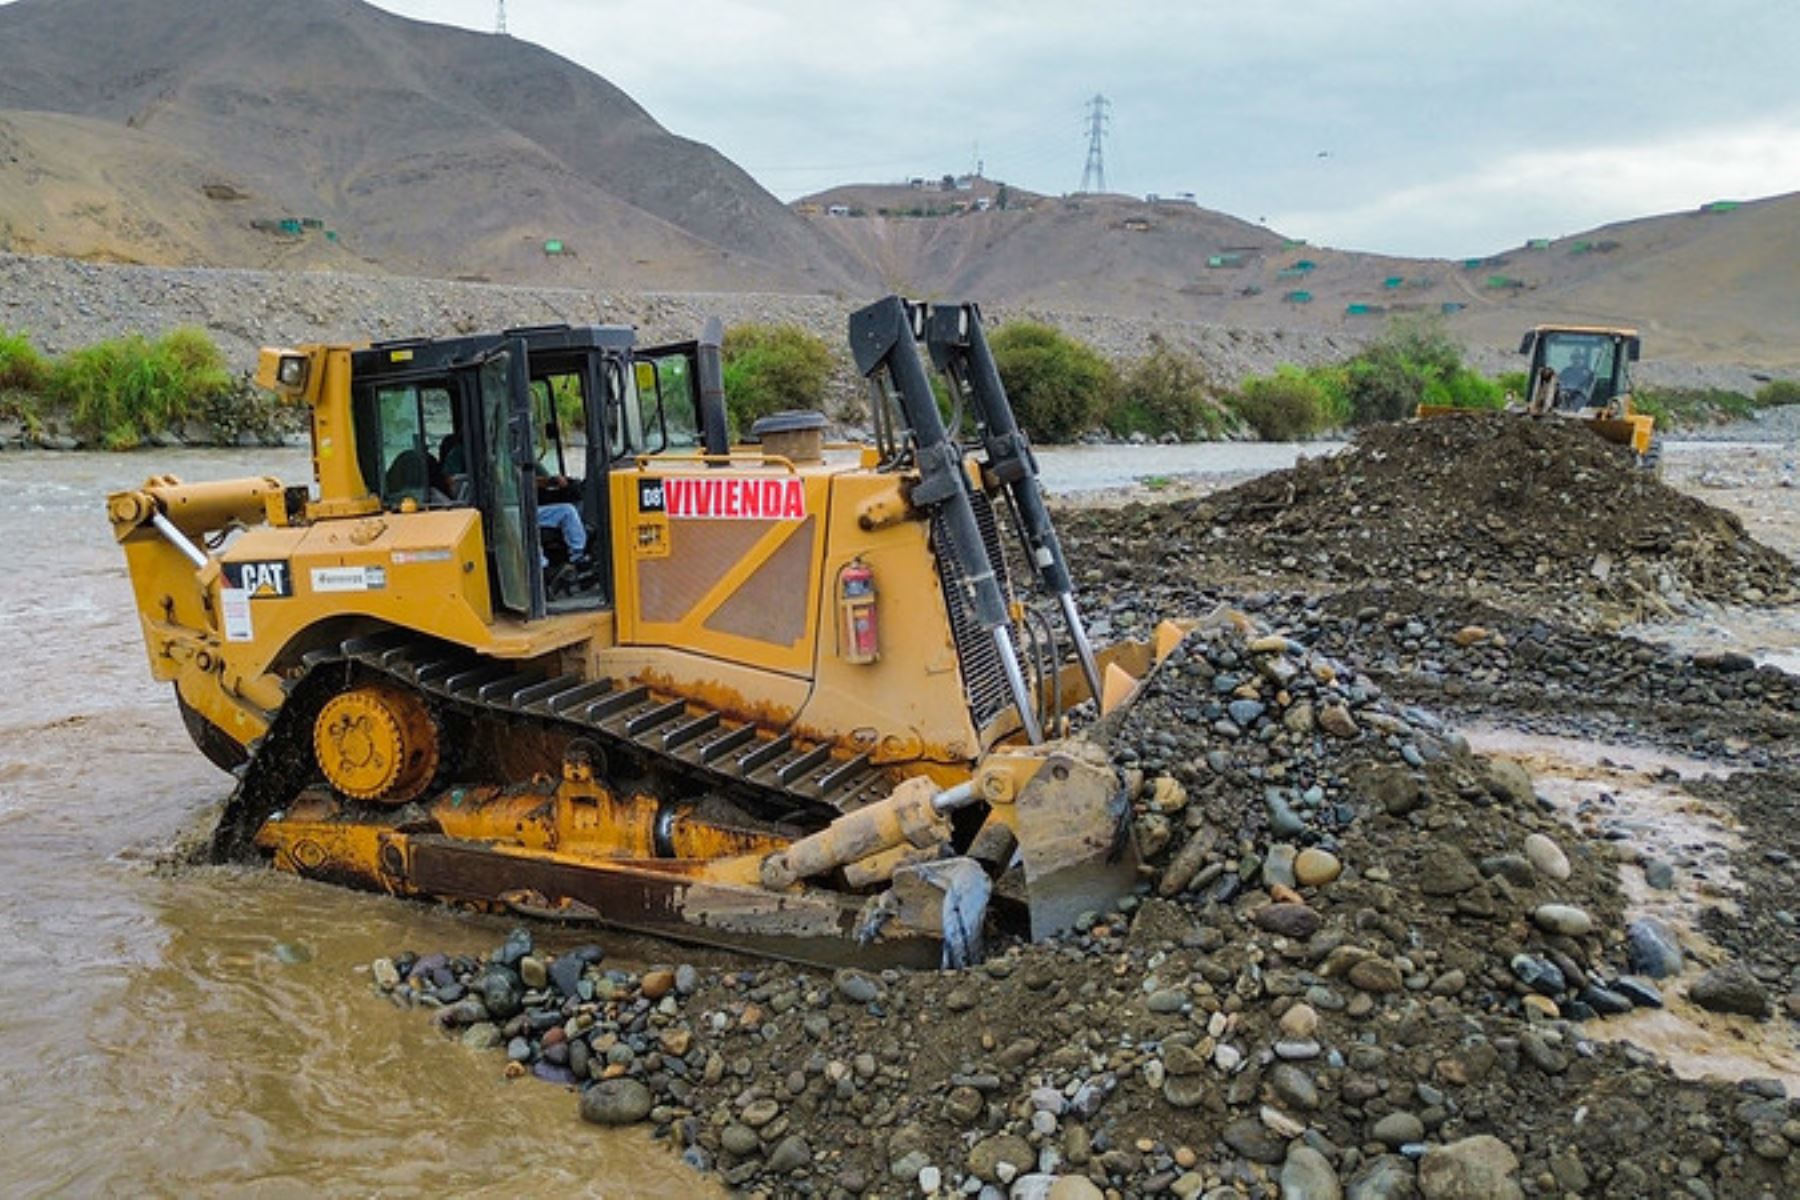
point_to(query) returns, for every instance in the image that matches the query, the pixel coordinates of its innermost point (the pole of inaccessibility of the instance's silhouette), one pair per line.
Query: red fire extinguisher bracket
(858, 614)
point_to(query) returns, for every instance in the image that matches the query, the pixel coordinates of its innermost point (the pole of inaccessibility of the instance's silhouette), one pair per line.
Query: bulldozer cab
(1575, 369)
(524, 427)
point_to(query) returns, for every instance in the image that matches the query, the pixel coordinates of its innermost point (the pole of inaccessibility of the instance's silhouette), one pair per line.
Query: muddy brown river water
(205, 1030)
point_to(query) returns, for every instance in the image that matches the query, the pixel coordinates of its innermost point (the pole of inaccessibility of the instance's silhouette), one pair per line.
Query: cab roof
(1606, 330)
(408, 355)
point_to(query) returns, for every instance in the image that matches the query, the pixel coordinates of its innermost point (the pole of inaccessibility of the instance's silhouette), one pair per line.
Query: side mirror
(1633, 348)
(1528, 342)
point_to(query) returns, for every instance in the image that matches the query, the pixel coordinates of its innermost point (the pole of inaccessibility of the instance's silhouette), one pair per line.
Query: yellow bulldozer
(1582, 372)
(538, 636)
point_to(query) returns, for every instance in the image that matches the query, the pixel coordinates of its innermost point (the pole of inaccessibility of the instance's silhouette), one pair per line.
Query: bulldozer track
(775, 774)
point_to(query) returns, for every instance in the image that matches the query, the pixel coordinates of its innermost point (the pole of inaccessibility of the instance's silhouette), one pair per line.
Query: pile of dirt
(1360, 957)
(1537, 514)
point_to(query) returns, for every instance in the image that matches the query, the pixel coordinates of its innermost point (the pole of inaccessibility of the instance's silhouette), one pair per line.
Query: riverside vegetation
(1065, 390)
(132, 390)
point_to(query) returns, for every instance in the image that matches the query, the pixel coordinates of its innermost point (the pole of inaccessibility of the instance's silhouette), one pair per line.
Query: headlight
(291, 373)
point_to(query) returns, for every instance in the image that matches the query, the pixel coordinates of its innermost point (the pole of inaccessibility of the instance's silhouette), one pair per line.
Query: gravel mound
(1360, 959)
(1539, 514)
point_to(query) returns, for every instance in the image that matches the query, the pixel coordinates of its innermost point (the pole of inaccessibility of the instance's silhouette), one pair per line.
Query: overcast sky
(1450, 127)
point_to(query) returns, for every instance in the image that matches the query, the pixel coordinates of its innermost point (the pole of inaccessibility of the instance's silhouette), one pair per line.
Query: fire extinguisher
(856, 603)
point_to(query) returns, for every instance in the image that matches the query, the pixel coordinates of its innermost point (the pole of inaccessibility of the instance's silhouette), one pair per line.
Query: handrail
(763, 460)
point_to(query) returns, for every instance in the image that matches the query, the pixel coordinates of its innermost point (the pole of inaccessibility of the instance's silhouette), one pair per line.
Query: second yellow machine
(538, 636)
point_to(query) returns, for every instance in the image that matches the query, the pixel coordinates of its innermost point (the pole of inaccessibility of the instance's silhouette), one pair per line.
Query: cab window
(1562, 351)
(667, 404)
(625, 414)
(559, 425)
(401, 430)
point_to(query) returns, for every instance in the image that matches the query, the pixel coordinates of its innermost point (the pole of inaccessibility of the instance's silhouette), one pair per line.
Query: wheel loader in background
(1581, 372)
(787, 702)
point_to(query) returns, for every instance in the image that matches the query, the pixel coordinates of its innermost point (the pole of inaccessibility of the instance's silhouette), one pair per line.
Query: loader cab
(524, 426)
(1591, 366)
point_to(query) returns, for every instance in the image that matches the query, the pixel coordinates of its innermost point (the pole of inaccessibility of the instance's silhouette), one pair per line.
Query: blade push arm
(959, 349)
(881, 338)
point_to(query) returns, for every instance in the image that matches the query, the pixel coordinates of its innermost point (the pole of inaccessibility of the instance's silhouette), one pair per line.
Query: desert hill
(1706, 286)
(1710, 286)
(420, 149)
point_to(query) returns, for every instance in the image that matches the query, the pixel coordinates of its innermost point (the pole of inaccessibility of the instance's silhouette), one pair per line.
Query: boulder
(616, 1102)
(1308, 1175)
(1476, 1168)
(1651, 949)
(1547, 857)
(1731, 989)
(986, 1156)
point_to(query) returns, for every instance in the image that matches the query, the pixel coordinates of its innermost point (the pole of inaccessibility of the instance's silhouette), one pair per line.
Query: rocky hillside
(1705, 287)
(161, 132)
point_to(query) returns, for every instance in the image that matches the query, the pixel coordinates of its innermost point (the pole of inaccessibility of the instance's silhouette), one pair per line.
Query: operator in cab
(1577, 379)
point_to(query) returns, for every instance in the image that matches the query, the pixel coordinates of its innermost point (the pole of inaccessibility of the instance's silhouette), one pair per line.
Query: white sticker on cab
(348, 579)
(234, 609)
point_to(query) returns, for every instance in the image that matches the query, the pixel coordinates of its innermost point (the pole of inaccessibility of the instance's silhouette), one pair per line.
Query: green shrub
(1165, 392)
(1334, 384)
(195, 359)
(1284, 407)
(24, 408)
(1387, 381)
(122, 391)
(1770, 395)
(1678, 407)
(1059, 386)
(769, 368)
(1514, 383)
(22, 368)
(1465, 388)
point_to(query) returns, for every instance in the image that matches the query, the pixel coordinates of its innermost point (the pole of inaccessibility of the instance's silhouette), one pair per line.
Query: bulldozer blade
(685, 900)
(808, 926)
(1074, 837)
(1118, 690)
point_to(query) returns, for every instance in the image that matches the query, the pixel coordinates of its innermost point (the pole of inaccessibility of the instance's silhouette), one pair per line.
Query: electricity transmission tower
(500, 17)
(1093, 176)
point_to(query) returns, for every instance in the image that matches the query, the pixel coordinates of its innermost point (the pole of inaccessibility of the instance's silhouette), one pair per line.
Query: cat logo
(261, 580)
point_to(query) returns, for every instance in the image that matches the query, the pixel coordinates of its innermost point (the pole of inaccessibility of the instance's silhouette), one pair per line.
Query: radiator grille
(984, 680)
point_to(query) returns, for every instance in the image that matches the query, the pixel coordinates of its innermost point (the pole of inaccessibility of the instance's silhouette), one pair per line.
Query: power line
(1093, 175)
(500, 17)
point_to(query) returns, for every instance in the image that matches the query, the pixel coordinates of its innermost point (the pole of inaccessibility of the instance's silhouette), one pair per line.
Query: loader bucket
(1634, 431)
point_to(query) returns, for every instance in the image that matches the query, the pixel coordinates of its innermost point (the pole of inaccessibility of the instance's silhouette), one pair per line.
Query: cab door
(499, 381)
